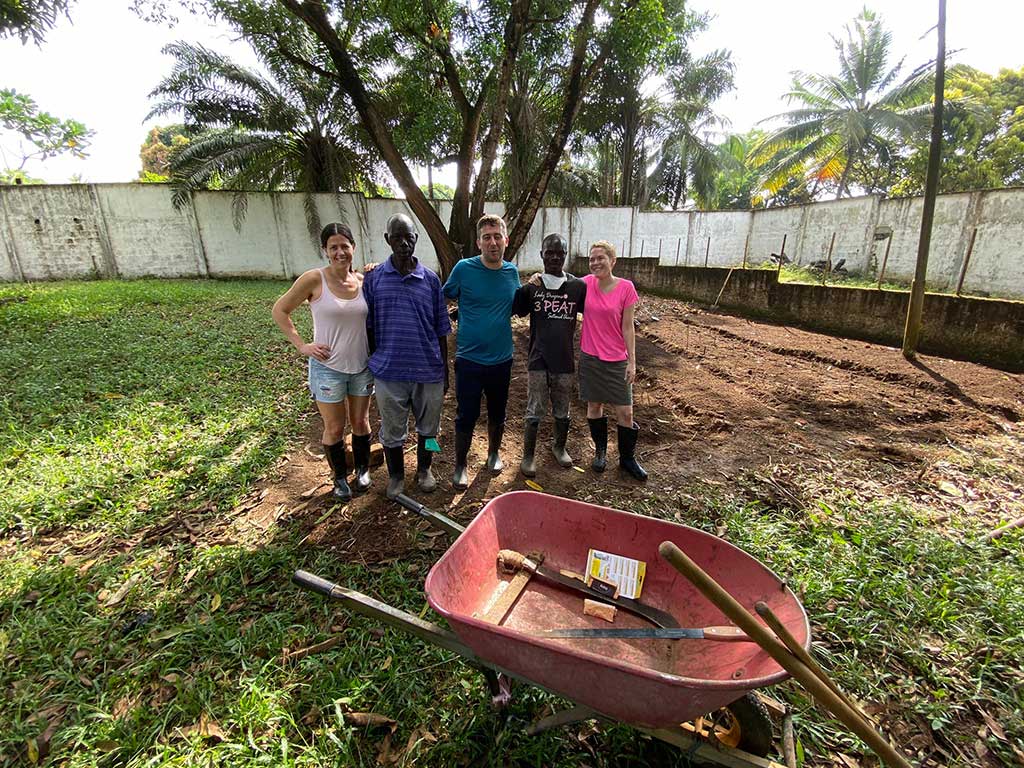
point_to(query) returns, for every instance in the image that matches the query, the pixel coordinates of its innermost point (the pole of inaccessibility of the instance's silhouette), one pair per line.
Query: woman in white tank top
(338, 355)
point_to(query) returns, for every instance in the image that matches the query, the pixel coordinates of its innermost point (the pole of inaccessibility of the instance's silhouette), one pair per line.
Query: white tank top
(341, 325)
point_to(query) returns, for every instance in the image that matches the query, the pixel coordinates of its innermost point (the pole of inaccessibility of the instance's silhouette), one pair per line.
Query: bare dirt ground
(718, 397)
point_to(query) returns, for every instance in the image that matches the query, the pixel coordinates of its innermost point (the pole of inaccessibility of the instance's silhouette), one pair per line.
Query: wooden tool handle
(801, 653)
(726, 634)
(757, 632)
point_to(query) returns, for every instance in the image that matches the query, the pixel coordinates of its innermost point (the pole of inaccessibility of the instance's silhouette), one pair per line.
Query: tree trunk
(514, 30)
(630, 129)
(460, 229)
(312, 14)
(524, 211)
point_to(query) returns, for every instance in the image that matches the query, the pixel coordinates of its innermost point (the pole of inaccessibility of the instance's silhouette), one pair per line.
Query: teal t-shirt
(485, 307)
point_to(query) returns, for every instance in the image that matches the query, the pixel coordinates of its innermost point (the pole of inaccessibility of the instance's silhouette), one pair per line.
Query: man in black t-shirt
(553, 301)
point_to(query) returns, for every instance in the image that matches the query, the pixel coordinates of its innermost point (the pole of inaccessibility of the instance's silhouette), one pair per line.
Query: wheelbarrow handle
(315, 583)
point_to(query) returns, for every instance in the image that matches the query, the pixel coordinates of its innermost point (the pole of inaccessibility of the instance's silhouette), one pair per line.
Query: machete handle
(315, 583)
(726, 634)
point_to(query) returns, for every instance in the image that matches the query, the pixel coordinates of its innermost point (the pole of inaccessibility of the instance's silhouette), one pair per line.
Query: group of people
(385, 333)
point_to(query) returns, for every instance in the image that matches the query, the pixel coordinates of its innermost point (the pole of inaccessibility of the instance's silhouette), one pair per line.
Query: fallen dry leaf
(311, 717)
(369, 720)
(122, 591)
(994, 726)
(207, 728)
(301, 653)
(215, 602)
(309, 493)
(384, 751)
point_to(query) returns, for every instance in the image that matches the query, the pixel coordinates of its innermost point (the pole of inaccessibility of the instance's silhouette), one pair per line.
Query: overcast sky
(100, 68)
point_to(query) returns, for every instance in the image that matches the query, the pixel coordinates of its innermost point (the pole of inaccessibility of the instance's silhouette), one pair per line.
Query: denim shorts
(330, 386)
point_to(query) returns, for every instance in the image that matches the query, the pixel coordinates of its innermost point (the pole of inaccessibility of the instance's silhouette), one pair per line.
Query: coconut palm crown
(843, 121)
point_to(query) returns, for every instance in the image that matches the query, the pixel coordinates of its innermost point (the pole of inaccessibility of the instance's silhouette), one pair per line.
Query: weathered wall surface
(132, 230)
(981, 330)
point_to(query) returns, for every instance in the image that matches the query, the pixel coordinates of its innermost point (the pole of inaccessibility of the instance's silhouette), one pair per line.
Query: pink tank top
(341, 325)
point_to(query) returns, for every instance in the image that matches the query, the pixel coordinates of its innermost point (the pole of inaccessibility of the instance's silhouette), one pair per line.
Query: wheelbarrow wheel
(745, 725)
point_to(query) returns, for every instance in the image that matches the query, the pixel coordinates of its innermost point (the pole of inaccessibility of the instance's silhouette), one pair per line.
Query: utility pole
(912, 331)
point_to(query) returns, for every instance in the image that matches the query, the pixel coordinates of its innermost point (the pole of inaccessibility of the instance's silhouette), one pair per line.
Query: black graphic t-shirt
(553, 314)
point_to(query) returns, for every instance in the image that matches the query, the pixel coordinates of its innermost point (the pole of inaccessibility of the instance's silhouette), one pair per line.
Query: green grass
(791, 273)
(137, 414)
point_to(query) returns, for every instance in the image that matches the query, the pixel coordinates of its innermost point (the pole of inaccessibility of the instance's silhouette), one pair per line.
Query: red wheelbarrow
(628, 671)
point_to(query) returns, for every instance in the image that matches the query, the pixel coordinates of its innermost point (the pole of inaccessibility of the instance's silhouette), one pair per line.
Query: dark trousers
(473, 380)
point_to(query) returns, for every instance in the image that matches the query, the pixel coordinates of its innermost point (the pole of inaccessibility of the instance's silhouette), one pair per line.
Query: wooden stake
(885, 260)
(828, 260)
(707, 252)
(967, 260)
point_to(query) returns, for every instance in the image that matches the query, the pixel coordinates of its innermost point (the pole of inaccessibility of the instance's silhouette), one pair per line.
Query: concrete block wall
(132, 230)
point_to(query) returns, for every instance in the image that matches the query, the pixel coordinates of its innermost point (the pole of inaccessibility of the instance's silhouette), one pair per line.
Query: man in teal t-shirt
(484, 287)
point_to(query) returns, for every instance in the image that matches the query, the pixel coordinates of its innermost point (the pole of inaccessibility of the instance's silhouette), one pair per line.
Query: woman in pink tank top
(608, 358)
(339, 378)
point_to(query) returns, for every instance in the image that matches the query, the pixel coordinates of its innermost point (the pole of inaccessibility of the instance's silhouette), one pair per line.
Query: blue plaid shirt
(408, 314)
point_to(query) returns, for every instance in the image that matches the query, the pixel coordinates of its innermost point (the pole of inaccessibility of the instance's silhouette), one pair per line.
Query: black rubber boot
(460, 477)
(558, 444)
(627, 451)
(395, 458)
(339, 467)
(425, 480)
(599, 434)
(361, 458)
(528, 466)
(494, 435)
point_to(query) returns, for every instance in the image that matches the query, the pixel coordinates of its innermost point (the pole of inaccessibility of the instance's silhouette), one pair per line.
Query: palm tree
(290, 130)
(685, 159)
(847, 122)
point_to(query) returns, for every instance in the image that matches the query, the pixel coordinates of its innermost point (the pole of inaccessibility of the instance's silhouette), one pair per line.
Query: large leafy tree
(738, 182)
(287, 129)
(647, 126)
(429, 82)
(686, 160)
(30, 19)
(983, 135)
(847, 126)
(38, 135)
(156, 151)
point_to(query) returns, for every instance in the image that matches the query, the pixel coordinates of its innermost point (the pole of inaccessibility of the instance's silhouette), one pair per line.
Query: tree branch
(515, 28)
(314, 16)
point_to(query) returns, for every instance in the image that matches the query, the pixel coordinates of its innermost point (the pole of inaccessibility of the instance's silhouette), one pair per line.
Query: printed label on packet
(626, 572)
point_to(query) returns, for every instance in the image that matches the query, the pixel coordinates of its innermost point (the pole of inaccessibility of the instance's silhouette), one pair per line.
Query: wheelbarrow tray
(650, 683)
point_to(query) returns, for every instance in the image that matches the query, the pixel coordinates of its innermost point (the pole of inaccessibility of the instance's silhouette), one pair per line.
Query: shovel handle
(760, 634)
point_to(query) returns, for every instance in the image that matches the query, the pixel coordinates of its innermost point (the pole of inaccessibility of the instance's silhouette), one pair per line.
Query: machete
(724, 634)
(513, 561)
